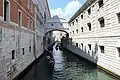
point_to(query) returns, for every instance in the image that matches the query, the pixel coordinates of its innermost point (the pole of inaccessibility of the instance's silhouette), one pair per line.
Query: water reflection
(67, 67)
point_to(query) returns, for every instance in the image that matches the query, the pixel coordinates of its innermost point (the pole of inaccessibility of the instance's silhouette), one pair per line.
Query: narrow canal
(67, 67)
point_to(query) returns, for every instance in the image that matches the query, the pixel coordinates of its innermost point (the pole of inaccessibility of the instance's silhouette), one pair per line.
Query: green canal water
(67, 67)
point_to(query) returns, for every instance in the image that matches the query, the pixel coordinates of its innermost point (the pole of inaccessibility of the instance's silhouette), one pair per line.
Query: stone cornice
(81, 9)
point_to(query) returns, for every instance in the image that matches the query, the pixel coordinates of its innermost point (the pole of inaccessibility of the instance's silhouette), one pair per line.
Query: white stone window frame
(77, 31)
(21, 22)
(31, 6)
(9, 10)
(101, 50)
(13, 55)
(82, 29)
(118, 17)
(1, 34)
(90, 47)
(28, 23)
(118, 53)
(89, 26)
(82, 46)
(100, 6)
(28, 4)
(31, 25)
(89, 11)
(100, 20)
(82, 16)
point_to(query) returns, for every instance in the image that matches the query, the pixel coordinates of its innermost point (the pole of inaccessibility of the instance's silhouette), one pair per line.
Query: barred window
(100, 2)
(82, 16)
(102, 49)
(118, 15)
(13, 54)
(89, 45)
(81, 45)
(102, 22)
(118, 48)
(23, 50)
(76, 20)
(77, 31)
(89, 26)
(81, 29)
(89, 11)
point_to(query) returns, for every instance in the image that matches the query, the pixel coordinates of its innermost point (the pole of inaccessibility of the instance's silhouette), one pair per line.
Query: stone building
(18, 36)
(95, 29)
(42, 15)
(56, 24)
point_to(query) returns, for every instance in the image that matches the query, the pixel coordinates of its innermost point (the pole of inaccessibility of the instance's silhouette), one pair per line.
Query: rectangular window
(31, 7)
(13, 54)
(28, 23)
(73, 32)
(100, 2)
(101, 21)
(73, 23)
(118, 15)
(19, 18)
(77, 20)
(81, 29)
(82, 45)
(6, 10)
(102, 49)
(118, 48)
(23, 51)
(77, 31)
(76, 44)
(28, 4)
(89, 26)
(29, 48)
(82, 16)
(89, 45)
(89, 11)
(31, 27)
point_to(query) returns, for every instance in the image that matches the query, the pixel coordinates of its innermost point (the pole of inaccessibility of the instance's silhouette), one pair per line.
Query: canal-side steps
(90, 57)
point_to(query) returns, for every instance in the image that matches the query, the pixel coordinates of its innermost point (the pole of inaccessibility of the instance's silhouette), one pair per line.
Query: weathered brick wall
(1, 7)
(26, 13)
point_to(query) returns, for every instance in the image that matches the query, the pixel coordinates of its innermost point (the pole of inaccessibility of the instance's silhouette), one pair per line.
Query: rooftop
(81, 9)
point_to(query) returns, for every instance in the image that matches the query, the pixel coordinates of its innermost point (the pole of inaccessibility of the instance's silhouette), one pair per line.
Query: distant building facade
(42, 15)
(17, 36)
(95, 29)
(56, 24)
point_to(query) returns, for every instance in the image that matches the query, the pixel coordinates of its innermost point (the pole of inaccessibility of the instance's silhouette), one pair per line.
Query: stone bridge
(56, 24)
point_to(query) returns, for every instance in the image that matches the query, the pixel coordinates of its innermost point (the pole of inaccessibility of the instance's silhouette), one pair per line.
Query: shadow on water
(67, 67)
(41, 71)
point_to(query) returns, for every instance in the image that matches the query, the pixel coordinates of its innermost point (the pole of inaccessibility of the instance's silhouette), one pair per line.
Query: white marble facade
(94, 26)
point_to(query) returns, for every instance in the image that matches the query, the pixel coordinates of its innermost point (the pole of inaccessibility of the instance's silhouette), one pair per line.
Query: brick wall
(26, 13)
(1, 7)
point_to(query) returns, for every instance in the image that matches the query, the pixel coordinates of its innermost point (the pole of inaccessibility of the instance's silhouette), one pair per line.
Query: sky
(64, 8)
